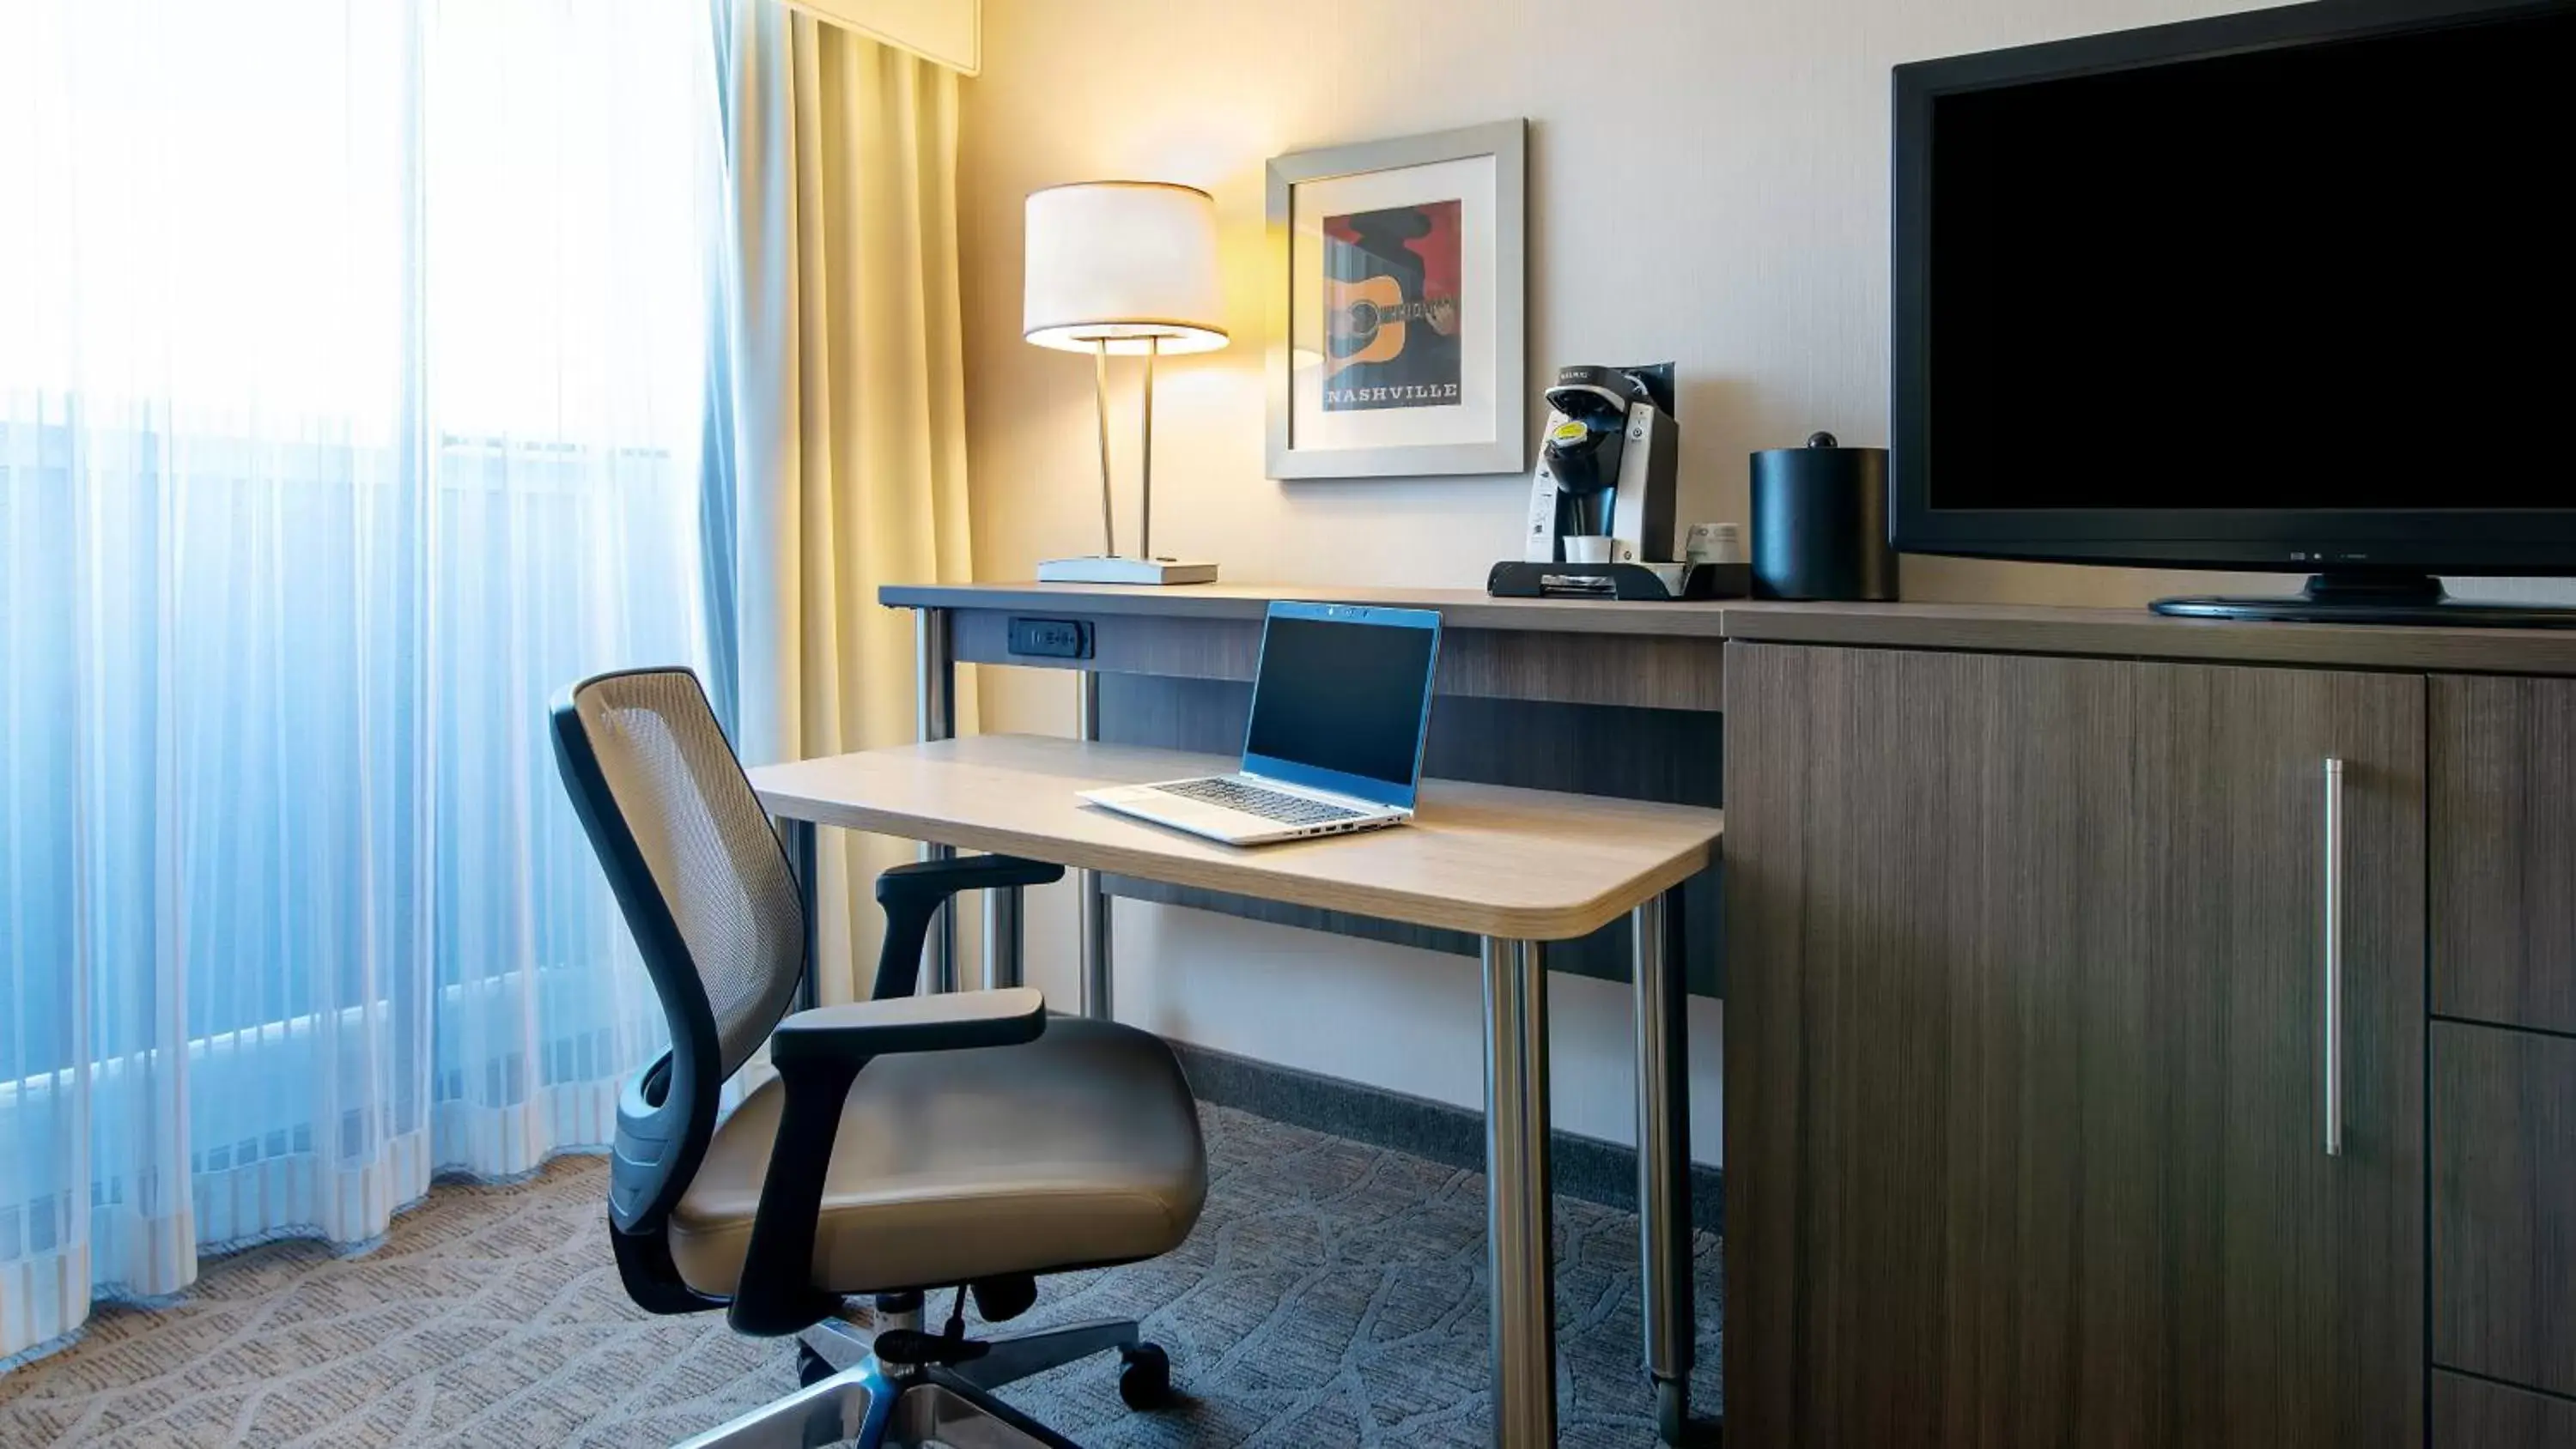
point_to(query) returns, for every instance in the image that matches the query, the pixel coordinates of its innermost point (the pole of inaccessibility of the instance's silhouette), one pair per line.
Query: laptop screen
(1342, 697)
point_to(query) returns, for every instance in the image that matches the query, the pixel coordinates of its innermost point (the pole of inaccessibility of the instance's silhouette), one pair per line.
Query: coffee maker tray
(1630, 582)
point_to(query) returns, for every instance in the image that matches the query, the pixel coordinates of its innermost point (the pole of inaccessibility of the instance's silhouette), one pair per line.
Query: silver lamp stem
(1145, 500)
(1100, 401)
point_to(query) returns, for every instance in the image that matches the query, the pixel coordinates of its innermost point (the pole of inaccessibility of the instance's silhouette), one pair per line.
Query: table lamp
(1125, 268)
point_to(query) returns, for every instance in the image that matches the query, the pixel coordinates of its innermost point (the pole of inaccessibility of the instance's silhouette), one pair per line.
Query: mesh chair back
(715, 858)
(708, 894)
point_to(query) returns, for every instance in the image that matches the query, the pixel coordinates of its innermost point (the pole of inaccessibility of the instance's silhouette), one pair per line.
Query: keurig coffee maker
(1600, 520)
(1604, 481)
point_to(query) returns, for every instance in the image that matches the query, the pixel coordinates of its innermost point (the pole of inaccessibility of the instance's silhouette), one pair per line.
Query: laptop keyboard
(1276, 805)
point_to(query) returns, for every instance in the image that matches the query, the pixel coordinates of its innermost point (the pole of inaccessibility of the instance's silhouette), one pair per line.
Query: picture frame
(1396, 307)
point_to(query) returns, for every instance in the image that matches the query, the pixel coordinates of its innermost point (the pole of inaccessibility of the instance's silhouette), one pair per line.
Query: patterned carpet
(1332, 1295)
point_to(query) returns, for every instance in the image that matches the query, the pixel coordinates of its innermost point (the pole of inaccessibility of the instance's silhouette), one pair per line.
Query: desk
(1517, 868)
(1593, 697)
(1584, 696)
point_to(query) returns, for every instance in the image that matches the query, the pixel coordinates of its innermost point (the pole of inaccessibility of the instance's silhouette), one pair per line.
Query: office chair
(907, 1144)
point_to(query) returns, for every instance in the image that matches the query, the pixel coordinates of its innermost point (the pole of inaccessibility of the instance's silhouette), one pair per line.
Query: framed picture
(1395, 307)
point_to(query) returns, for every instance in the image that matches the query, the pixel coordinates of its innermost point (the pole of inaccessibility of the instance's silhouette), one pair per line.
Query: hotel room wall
(1707, 182)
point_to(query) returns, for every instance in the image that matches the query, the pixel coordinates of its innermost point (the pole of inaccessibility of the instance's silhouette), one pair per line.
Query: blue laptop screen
(1343, 696)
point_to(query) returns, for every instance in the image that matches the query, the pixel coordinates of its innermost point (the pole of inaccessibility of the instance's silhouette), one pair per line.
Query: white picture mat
(1468, 180)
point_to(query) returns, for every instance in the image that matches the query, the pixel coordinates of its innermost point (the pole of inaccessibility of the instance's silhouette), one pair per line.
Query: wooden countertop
(1459, 608)
(2138, 634)
(1988, 628)
(1494, 861)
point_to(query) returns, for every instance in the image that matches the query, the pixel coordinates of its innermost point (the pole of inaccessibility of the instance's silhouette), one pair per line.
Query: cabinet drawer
(2474, 1414)
(2504, 1204)
(2503, 832)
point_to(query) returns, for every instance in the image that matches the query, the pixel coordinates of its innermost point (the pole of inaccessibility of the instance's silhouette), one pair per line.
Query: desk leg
(1098, 997)
(1518, 1225)
(798, 837)
(1003, 939)
(1663, 1157)
(935, 718)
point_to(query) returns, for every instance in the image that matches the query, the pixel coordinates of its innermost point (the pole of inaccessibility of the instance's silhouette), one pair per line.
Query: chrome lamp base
(1100, 569)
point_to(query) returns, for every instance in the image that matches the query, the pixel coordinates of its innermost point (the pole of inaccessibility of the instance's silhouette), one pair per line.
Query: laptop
(1340, 704)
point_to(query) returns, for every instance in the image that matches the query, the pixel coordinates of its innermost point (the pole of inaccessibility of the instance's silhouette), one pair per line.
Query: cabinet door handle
(2334, 958)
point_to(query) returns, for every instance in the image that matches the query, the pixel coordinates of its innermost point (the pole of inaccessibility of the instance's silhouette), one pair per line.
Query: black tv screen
(2266, 288)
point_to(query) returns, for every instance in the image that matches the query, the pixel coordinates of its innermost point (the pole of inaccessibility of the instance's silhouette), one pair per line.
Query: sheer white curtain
(351, 377)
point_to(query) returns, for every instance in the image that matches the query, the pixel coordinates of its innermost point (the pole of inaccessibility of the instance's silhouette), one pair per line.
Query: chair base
(860, 1399)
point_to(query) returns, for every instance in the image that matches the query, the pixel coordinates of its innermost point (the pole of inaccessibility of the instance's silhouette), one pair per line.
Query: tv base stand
(2370, 598)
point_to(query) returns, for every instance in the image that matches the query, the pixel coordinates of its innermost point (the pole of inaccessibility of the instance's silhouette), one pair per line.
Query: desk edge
(1556, 923)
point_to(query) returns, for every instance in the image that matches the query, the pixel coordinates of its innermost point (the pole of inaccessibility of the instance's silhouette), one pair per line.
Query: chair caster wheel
(1145, 1380)
(811, 1367)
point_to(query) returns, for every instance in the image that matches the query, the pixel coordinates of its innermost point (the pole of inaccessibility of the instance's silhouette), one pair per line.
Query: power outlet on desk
(1051, 638)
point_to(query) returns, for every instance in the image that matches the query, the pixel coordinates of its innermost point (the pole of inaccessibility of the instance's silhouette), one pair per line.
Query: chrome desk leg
(1517, 1216)
(1098, 1002)
(1003, 939)
(1098, 980)
(1663, 1156)
(935, 718)
(798, 837)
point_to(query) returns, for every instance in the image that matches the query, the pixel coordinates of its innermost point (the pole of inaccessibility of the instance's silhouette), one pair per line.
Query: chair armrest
(941, 878)
(912, 894)
(858, 1031)
(818, 1054)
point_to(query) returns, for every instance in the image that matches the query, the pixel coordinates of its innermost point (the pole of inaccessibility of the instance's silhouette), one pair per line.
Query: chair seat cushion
(1079, 1148)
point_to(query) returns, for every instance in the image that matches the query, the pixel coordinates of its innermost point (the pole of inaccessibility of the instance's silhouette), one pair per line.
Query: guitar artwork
(1365, 320)
(1390, 303)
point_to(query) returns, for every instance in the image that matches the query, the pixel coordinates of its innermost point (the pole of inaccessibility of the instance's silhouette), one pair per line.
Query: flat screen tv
(2287, 289)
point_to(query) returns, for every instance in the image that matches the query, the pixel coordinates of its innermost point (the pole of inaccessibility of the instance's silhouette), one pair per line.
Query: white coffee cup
(1592, 548)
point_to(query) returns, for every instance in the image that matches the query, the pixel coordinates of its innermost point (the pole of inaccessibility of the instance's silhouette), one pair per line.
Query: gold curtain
(848, 397)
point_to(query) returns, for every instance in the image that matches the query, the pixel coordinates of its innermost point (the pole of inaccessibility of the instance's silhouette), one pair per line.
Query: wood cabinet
(2504, 1205)
(2474, 1414)
(2504, 873)
(2026, 1088)
(2502, 888)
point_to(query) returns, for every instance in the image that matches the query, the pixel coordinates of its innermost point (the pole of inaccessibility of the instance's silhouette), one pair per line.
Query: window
(352, 372)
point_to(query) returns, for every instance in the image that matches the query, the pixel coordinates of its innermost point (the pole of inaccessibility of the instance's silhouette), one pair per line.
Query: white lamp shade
(1120, 262)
